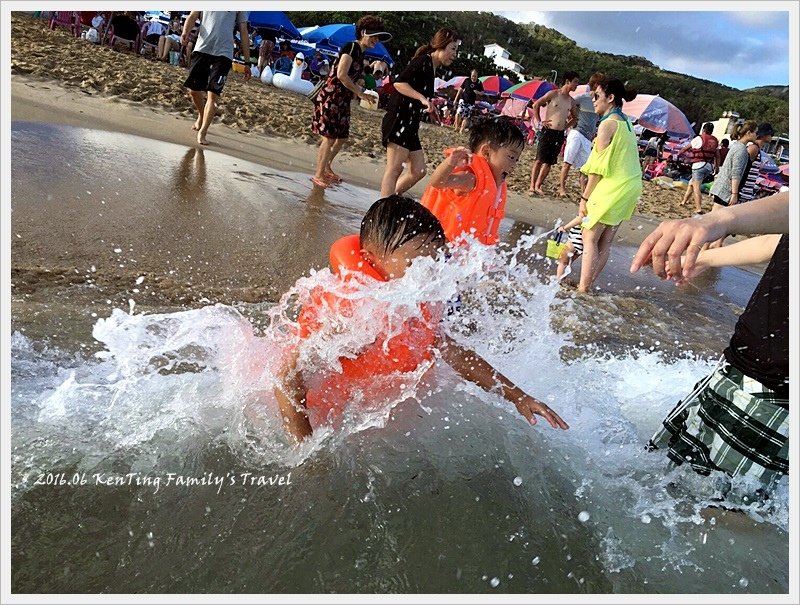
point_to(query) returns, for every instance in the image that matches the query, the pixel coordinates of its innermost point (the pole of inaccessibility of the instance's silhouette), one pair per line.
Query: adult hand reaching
(673, 247)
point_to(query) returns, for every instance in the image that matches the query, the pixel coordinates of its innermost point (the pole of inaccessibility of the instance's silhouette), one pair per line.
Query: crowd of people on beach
(735, 420)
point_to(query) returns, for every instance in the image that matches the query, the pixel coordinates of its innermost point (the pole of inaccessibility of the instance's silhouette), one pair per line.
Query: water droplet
(583, 516)
(645, 518)
(495, 582)
(743, 582)
(535, 561)
(517, 481)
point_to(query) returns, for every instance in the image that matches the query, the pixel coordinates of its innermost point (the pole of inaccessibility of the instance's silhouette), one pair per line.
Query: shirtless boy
(562, 112)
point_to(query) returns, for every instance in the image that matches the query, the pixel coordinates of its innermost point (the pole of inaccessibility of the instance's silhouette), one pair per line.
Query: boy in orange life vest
(467, 192)
(395, 231)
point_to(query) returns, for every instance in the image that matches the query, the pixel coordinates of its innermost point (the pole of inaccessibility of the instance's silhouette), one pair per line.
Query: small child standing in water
(574, 246)
(467, 192)
(394, 232)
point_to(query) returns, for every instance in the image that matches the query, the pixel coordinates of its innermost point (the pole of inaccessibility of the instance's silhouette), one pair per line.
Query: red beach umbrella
(494, 85)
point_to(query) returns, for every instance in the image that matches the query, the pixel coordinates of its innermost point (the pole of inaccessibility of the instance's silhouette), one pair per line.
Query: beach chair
(124, 29)
(69, 19)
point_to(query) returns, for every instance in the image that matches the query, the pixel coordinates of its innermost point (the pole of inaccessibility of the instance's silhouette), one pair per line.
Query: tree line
(540, 50)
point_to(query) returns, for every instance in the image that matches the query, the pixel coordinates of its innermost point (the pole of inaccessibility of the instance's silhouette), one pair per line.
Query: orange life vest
(479, 212)
(404, 352)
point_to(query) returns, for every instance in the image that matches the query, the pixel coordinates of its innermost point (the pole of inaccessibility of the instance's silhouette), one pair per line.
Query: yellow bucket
(555, 246)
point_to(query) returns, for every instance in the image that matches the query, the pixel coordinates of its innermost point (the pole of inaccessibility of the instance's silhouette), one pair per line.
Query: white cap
(300, 56)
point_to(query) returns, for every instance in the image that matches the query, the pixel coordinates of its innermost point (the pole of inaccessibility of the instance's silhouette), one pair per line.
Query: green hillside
(541, 49)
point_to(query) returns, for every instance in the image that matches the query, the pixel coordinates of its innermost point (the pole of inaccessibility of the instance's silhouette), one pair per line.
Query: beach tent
(494, 85)
(659, 115)
(439, 83)
(274, 21)
(581, 89)
(328, 39)
(532, 89)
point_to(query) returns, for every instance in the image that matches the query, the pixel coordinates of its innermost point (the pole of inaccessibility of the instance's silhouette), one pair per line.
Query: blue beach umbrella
(275, 21)
(330, 38)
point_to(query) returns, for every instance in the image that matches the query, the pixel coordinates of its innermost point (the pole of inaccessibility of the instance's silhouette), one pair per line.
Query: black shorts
(720, 201)
(650, 153)
(550, 147)
(153, 39)
(402, 132)
(208, 72)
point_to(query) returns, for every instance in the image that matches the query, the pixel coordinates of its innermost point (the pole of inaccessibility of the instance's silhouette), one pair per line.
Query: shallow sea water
(443, 488)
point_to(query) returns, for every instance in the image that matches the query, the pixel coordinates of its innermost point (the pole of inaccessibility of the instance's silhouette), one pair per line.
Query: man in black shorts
(211, 61)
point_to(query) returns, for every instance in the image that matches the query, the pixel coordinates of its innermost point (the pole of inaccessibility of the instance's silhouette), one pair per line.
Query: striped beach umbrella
(494, 85)
(532, 89)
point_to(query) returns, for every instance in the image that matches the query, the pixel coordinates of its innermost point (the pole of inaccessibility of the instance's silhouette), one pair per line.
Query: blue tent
(275, 21)
(330, 38)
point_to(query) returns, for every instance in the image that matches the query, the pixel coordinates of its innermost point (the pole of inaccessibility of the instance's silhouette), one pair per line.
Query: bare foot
(201, 139)
(197, 123)
(562, 194)
(538, 192)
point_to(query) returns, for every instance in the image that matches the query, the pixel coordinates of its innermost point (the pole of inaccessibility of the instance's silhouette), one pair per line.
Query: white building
(500, 57)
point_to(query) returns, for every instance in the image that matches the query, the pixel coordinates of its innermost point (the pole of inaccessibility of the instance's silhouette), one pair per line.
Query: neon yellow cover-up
(614, 198)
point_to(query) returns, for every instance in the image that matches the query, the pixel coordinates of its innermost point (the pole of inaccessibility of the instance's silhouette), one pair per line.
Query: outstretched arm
(748, 252)
(666, 246)
(474, 368)
(290, 392)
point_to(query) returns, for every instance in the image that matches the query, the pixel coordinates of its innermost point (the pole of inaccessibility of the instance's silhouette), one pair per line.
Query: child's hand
(460, 156)
(529, 406)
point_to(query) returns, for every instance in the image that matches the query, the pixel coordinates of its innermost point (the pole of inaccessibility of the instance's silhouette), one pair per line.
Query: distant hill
(775, 90)
(541, 49)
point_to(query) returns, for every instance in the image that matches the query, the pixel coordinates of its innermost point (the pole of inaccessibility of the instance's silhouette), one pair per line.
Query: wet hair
(724, 143)
(613, 86)
(744, 128)
(396, 220)
(498, 131)
(708, 128)
(440, 40)
(595, 78)
(370, 23)
(570, 75)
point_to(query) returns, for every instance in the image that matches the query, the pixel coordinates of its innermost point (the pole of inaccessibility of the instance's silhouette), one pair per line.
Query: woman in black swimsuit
(400, 128)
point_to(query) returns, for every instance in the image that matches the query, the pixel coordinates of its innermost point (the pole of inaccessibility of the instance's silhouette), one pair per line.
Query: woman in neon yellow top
(615, 179)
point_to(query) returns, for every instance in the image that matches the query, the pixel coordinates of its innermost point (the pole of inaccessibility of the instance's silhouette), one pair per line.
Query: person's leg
(603, 250)
(335, 149)
(687, 193)
(162, 43)
(209, 112)
(562, 182)
(199, 100)
(543, 172)
(395, 157)
(591, 238)
(323, 160)
(537, 165)
(457, 122)
(415, 170)
(564, 260)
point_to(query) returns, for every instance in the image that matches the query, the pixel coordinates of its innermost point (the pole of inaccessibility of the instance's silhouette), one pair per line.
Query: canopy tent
(274, 21)
(329, 39)
(439, 83)
(659, 115)
(532, 89)
(494, 85)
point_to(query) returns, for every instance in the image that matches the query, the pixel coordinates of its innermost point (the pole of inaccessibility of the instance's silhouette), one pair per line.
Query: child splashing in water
(467, 192)
(394, 232)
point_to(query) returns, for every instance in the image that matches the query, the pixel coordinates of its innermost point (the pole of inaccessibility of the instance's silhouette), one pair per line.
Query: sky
(738, 49)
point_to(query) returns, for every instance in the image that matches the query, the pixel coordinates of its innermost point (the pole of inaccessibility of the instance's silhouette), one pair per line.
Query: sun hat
(382, 36)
